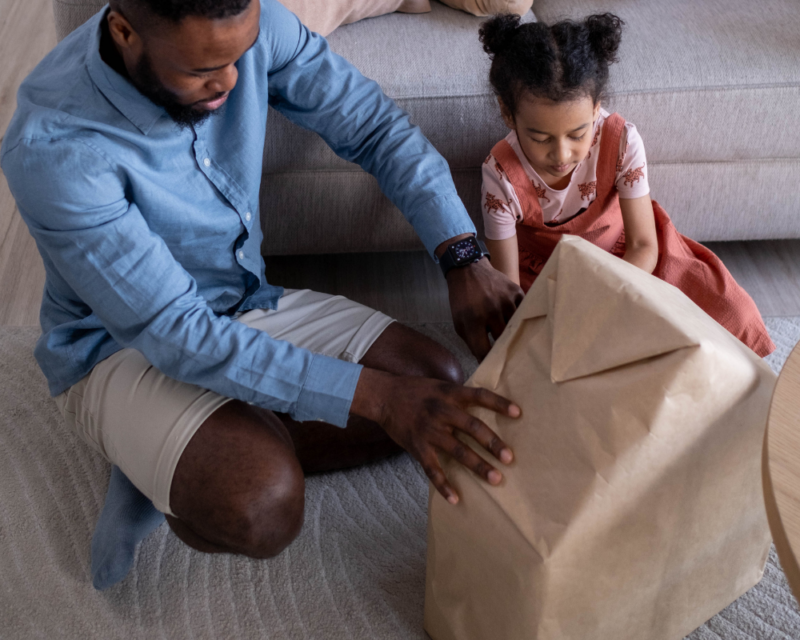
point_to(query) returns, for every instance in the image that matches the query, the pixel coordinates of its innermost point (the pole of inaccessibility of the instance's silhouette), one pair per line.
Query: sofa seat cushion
(432, 65)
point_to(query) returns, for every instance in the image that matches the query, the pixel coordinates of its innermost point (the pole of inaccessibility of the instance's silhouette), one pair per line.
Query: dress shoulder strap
(509, 162)
(609, 152)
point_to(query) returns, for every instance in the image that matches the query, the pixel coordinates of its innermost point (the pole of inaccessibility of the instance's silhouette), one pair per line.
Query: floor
(406, 286)
(27, 33)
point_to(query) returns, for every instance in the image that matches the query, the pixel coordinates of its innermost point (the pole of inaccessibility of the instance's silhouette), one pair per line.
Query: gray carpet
(356, 571)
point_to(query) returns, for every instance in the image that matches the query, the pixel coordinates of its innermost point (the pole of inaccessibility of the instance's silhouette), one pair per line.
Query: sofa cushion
(703, 82)
(344, 211)
(432, 65)
(71, 14)
(323, 16)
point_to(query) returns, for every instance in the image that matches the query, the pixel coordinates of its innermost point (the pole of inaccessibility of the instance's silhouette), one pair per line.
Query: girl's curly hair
(561, 62)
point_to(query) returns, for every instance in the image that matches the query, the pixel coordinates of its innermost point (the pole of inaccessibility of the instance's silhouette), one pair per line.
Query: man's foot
(127, 518)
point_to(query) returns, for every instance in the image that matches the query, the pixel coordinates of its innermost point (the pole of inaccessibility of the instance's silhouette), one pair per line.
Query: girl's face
(555, 136)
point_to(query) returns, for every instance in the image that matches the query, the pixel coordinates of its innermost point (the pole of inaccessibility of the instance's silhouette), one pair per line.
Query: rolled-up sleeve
(321, 91)
(100, 244)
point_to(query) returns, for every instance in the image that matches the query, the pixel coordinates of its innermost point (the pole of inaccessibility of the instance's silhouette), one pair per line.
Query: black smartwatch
(461, 253)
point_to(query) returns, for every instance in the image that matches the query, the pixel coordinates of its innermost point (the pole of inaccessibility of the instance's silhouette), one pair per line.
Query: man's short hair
(177, 10)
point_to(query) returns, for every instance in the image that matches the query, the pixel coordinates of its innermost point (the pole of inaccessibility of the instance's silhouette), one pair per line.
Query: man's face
(188, 68)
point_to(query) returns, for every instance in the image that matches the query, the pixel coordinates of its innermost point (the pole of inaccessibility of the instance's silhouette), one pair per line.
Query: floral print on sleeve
(632, 180)
(499, 203)
(493, 203)
(633, 176)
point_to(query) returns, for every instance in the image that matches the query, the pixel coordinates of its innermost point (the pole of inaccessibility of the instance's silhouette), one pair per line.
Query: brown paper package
(633, 509)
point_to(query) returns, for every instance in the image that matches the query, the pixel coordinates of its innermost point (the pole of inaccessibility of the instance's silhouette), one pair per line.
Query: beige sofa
(713, 86)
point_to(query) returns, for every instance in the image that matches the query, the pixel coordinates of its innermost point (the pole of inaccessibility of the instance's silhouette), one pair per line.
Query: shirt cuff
(440, 219)
(328, 391)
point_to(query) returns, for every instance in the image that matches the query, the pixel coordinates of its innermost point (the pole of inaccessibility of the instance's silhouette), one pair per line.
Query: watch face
(465, 250)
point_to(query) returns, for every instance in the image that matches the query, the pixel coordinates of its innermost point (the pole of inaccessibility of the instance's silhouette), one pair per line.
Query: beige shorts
(141, 420)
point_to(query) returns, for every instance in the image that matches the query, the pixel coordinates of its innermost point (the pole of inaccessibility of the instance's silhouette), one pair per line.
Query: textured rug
(356, 572)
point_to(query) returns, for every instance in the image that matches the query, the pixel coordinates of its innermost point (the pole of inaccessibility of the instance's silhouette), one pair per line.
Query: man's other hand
(424, 415)
(482, 301)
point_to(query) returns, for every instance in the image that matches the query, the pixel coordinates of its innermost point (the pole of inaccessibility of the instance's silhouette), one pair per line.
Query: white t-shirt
(501, 207)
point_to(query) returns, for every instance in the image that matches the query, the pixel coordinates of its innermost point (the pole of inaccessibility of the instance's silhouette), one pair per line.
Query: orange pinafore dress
(682, 262)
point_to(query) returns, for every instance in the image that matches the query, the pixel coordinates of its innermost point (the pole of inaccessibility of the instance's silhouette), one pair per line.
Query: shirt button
(207, 162)
(241, 255)
(247, 216)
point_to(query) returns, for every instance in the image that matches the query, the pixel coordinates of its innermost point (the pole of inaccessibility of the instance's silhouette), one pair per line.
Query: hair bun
(605, 33)
(497, 33)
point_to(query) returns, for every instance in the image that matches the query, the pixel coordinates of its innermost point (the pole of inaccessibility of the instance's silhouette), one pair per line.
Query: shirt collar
(119, 91)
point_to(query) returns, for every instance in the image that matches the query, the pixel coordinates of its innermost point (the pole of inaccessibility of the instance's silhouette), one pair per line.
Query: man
(135, 160)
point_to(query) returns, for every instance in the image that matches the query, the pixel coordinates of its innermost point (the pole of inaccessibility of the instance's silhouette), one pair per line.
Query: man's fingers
(433, 470)
(462, 453)
(484, 436)
(490, 400)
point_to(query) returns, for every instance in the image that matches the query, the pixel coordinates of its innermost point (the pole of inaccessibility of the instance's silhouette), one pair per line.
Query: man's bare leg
(239, 486)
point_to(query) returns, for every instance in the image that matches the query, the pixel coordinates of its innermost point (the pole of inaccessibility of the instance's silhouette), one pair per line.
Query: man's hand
(482, 301)
(423, 416)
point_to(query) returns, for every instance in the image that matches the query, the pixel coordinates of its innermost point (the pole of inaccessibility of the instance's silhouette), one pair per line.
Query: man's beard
(149, 85)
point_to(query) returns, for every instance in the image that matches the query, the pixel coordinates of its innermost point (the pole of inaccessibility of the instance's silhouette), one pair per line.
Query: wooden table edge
(782, 546)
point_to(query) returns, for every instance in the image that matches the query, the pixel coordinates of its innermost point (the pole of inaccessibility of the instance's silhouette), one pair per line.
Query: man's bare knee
(268, 518)
(239, 486)
(406, 352)
(437, 362)
(448, 368)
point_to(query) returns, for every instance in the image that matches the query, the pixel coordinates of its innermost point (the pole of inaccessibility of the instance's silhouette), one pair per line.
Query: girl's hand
(641, 241)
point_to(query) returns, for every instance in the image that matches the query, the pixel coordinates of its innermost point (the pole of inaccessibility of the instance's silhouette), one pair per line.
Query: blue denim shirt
(150, 233)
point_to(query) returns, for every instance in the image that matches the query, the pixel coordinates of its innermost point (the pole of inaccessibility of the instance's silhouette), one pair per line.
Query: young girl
(568, 166)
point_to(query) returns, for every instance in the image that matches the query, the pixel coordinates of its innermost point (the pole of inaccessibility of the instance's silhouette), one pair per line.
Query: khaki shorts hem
(177, 441)
(365, 337)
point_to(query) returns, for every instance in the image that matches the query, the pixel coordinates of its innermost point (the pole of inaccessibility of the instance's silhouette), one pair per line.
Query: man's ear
(508, 117)
(123, 34)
